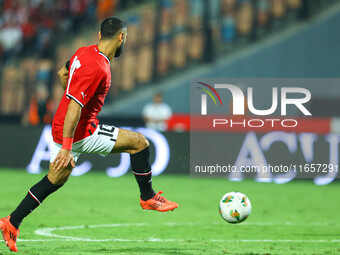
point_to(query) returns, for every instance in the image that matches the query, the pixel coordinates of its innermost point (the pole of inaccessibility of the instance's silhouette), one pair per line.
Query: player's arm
(65, 156)
(63, 74)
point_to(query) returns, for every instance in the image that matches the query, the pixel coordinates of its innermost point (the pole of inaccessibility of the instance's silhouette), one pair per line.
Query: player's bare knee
(142, 142)
(60, 177)
(62, 180)
(139, 143)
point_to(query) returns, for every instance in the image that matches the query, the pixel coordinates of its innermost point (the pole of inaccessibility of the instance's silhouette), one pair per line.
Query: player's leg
(138, 147)
(37, 193)
(9, 225)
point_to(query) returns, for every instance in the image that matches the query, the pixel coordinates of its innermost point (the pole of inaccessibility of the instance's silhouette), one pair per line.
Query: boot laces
(160, 198)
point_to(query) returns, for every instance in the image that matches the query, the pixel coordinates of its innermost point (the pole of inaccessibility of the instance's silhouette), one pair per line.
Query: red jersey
(89, 80)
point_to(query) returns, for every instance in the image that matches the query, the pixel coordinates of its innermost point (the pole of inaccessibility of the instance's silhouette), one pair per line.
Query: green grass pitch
(95, 214)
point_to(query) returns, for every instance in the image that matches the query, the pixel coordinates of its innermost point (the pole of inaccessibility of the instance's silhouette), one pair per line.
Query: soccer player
(86, 78)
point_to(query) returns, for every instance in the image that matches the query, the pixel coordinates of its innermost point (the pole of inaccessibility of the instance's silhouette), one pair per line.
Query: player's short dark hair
(111, 26)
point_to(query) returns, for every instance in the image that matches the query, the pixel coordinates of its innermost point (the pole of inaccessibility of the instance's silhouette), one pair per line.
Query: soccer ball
(235, 207)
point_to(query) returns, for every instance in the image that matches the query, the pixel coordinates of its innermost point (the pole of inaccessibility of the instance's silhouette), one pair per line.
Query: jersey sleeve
(83, 82)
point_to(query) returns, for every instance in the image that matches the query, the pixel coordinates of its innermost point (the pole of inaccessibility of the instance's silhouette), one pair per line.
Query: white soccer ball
(235, 207)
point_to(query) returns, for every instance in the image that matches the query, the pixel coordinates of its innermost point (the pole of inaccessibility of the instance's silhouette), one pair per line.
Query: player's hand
(62, 160)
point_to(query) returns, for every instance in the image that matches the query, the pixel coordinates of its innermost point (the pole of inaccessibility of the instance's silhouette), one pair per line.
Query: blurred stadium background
(169, 42)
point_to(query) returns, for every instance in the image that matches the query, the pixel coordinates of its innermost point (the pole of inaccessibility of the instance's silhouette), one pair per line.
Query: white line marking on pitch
(48, 232)
(179, 240)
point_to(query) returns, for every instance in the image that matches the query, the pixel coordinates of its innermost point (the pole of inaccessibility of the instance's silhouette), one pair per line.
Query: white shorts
(101, 142)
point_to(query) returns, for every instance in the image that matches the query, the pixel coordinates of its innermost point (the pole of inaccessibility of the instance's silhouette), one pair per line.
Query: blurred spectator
(157, 113)
(11, 38)
(41, 107)
(195, 26)
(13, 92)
(278, 8)
(228, 20)
(245, 18)
(105, 8)
(263, 13)
(164, 46)
(180, 34)
(29, 33)
(78, 10)
(146, 51)
(294, 4)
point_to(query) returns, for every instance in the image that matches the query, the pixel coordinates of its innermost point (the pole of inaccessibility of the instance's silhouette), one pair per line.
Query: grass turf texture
(299, 211)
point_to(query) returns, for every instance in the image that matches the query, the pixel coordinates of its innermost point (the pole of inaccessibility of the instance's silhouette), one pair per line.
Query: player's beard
(119, 50)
